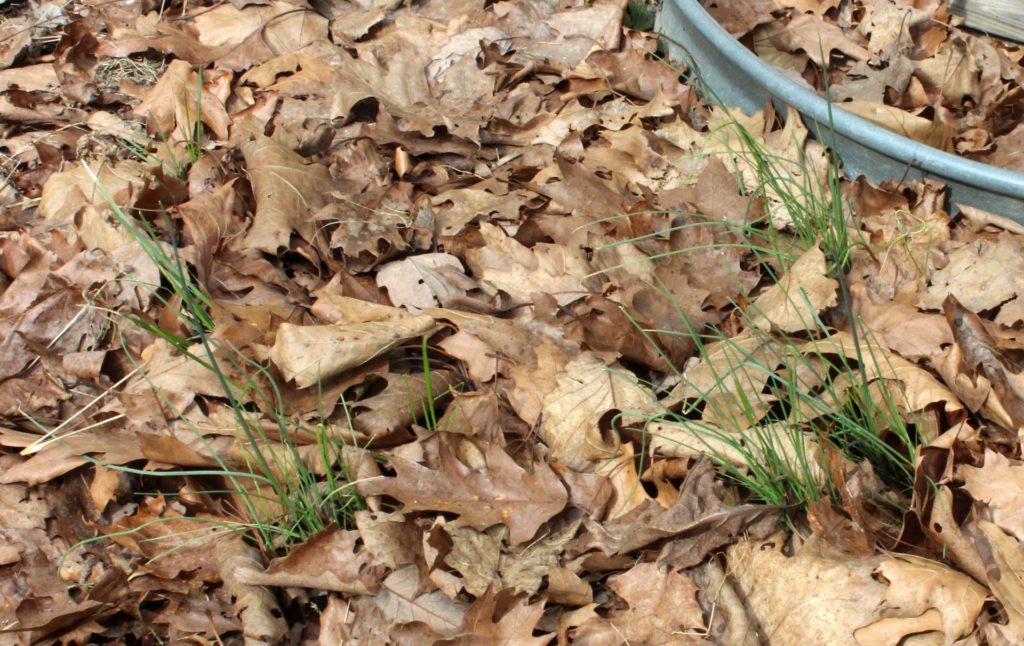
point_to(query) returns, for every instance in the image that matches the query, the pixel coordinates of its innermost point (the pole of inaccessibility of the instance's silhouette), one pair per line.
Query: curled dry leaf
(906, 330)
(627, 491)
(281, 27)
(310, 353)
(262, 621)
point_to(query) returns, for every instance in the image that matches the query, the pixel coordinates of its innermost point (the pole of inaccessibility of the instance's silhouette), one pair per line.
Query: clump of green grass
(288, 484)
(770, 408)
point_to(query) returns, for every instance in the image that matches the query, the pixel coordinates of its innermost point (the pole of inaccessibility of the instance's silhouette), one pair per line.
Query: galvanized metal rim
(915, 154)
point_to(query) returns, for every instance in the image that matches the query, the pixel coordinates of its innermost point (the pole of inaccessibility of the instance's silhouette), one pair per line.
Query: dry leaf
(308, 354)
(834, 593)
(521, 272)
(402, 601)
(928, 132)
(1005, 579)
(662, 604)
(262, 622)
(288, 191)
(503, 493)
(982, 275)
(425, 280)
(801, 294)
(516, 625)
(329, 560)
(999, 483)
(929, 597)
(581, 396)
(818, 39)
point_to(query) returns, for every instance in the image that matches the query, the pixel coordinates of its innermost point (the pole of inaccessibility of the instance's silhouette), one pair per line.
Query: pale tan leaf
(1007, 579)
(310, 353)
(287, 191)
(999, 483)
(68, 193)
(819, 587)
(894, 119)
(930, 597)
(799, 451)
(176, 104)
(522, 272)
(662, 604)
(981, 274)
(801, 294)
(262, 620)
(920, 388)
(579, 399)
(424, 280)
(818, 38)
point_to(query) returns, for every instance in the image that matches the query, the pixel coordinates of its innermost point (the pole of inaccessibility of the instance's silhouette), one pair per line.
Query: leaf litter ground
(455, 322)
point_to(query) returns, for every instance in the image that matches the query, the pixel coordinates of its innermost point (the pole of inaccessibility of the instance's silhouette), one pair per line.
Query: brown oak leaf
(503, 493)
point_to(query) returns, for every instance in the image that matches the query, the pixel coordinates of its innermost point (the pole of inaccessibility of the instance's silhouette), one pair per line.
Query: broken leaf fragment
(310, 353)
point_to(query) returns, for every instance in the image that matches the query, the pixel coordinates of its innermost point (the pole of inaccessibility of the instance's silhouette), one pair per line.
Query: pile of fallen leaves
(908, 66)
(473, 242)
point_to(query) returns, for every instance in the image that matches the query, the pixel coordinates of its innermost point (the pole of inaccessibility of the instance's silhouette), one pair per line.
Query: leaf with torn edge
(575, 404)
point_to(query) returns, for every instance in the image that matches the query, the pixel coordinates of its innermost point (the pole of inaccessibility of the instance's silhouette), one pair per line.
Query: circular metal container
(737, 77)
